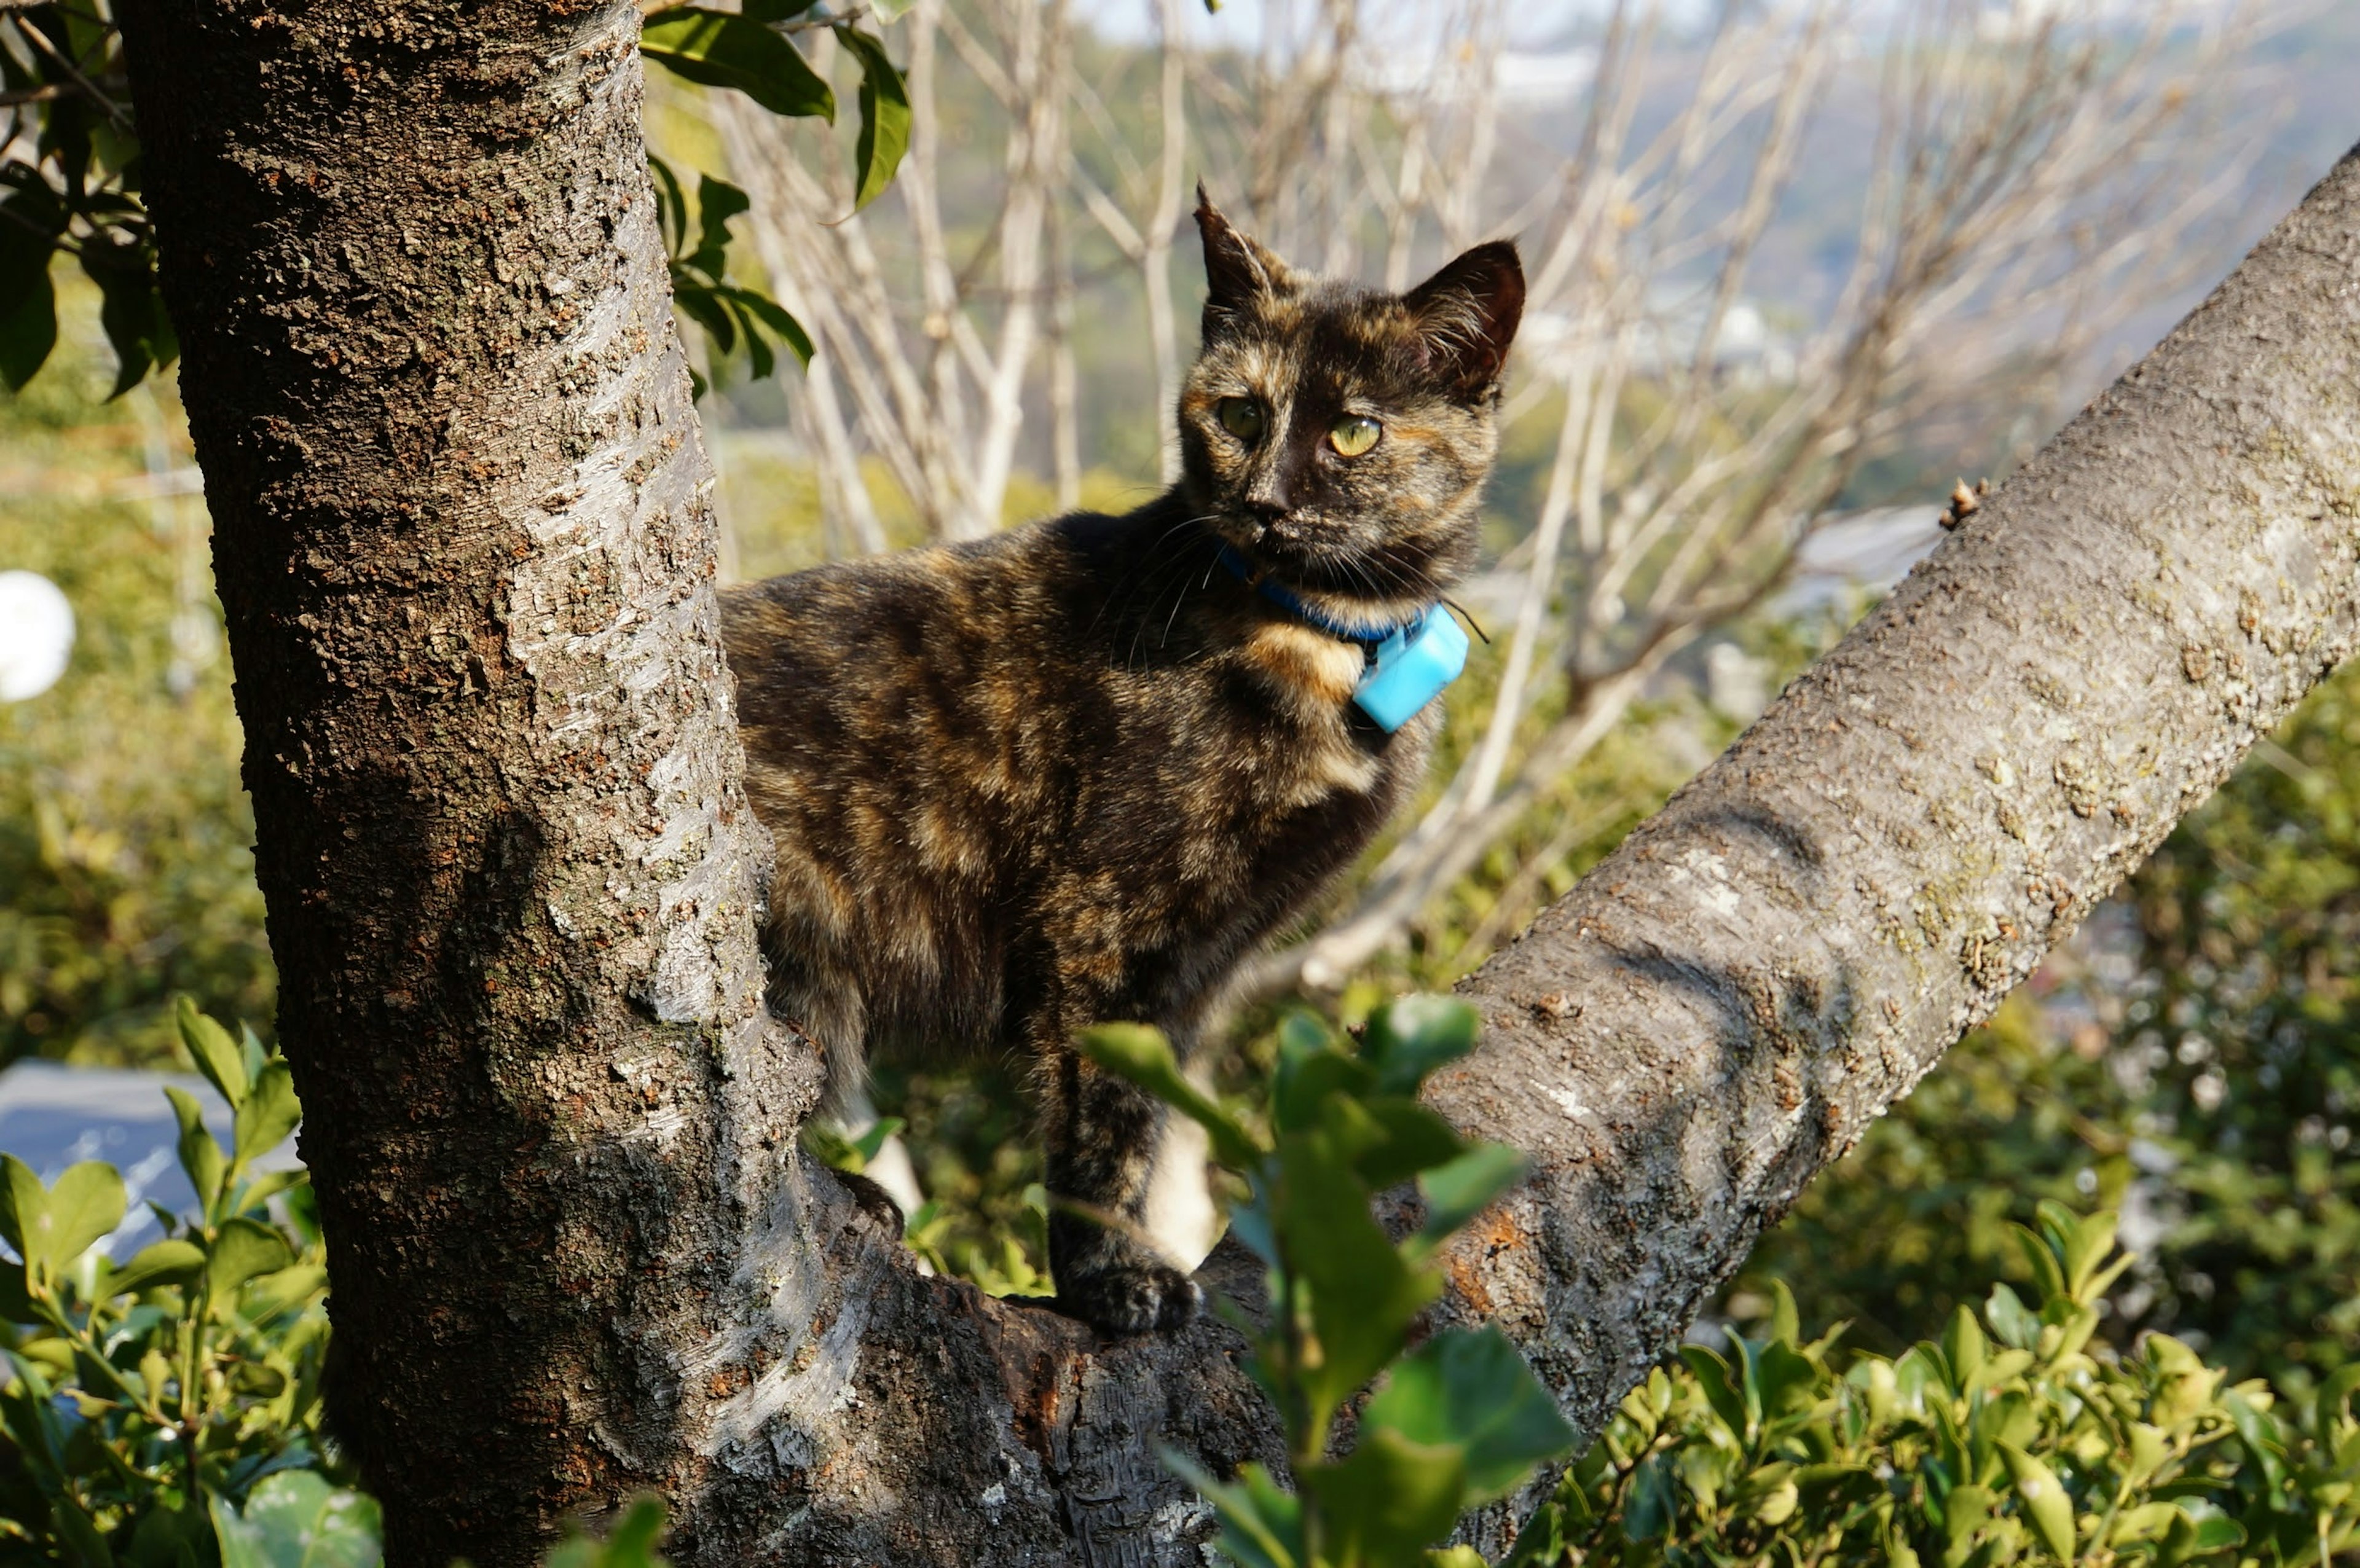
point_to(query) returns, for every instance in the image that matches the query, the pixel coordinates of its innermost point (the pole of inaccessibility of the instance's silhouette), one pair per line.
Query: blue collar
(1279, 594)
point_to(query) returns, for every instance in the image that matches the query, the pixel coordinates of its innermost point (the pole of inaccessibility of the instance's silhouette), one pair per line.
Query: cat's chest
(1315, 749)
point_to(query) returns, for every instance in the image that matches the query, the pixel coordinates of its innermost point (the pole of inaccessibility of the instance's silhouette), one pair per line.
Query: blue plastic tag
(1410, 669)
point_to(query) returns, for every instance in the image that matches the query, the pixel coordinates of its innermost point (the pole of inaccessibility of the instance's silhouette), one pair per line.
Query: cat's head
(1338, 436)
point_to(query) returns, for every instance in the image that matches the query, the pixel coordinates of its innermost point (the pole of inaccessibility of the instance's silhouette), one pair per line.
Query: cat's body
(1076, 772)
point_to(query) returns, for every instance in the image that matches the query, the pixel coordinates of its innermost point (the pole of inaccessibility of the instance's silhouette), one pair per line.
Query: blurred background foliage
(125, 871)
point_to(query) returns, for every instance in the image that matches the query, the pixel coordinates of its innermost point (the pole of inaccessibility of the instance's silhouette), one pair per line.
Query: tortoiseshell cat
(1078, 771)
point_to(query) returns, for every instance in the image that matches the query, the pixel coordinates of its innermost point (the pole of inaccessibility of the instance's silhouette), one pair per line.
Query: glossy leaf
(1388, 1500)
(167, 1262)
(1143, 1056)
(244, 1248)
(720, 48)
(298, 1519)
(268, 1113)
(1412, 1037)
(2016, 1323)
(1470, 1391)
(2045, 1501)
(1364, 1295)
(1455, 1192)
(884, 117)
(51, 1229)
(218, 1057)
(201, 1157)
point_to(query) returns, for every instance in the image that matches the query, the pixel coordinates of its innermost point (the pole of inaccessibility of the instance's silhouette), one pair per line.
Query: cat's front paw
(1129, 1295)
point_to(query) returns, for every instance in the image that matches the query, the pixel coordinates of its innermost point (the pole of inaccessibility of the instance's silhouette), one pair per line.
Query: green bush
(165, 1411)
(126, 874)
(2018, 1437)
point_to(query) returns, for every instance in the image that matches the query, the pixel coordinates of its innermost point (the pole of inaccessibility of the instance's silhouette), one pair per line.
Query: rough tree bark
(462, 539)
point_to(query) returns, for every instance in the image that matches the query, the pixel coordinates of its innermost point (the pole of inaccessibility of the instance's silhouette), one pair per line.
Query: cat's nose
(1266, 509)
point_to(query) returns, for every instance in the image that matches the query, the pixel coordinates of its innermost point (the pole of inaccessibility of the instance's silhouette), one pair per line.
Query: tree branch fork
(532, 1272)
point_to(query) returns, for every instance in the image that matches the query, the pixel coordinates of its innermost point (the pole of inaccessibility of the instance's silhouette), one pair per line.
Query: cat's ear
(1238, 268)
(1467, 315)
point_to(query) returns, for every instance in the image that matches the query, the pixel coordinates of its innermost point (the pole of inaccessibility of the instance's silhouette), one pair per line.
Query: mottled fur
(1077, 771)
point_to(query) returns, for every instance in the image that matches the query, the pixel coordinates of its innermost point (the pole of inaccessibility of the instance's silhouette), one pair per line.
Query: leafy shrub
(126, 875)
(165, 1409)
(2018, 1437)
(1460, 1421)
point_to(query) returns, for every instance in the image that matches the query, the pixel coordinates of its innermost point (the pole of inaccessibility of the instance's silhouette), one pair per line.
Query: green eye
(1241, 416)
(1353, 434)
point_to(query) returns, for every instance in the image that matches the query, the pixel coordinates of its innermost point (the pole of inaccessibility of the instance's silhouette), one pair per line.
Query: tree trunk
(462, 541)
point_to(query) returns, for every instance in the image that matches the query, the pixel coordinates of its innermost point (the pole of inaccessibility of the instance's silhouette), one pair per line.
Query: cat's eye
(1241, 416)
(1353, 434)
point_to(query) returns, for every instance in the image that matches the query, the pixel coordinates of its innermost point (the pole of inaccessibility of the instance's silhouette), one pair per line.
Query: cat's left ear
(1467, 315)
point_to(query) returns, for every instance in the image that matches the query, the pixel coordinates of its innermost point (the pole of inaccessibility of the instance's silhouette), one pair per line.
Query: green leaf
(298, 1519)
(672, 205)
(28, 330)
(244, 1248)
(169, 1262)
(868, 1144)
(268, 1113)
(1789, 1380)
(1785, 1321)
(1409, 1040)
(51, 1229)
(2092, 1240)
(131, 310)
(884, 117)
(2043, 1262)
(704, 307)
(1143, 1056)
(719, 49)
(23, 1202)
(1455, 1192)
(1386, 1502)
(717, 201)
(281, 1291)
(1363, 1296)
(1306, 1073)
(2260, 1435)
(2011, 1320)
(1964, 1347)
(768, 311)
(217, 1056)
(1719, 1387)
(1410, 1139)
(629, 1544)
(1262, 1525)
(81, 1532)
(201, 1157)
(2044, 1499)
(1471, 1392)
(777, 10)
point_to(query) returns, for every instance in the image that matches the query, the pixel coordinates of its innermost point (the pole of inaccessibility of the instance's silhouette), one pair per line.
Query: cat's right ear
(1238, 268)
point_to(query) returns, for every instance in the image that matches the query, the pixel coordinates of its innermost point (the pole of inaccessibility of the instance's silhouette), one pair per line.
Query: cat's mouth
(1340, 569)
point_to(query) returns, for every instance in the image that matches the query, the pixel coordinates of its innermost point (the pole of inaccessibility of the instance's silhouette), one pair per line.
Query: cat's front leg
(1131, 1215)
